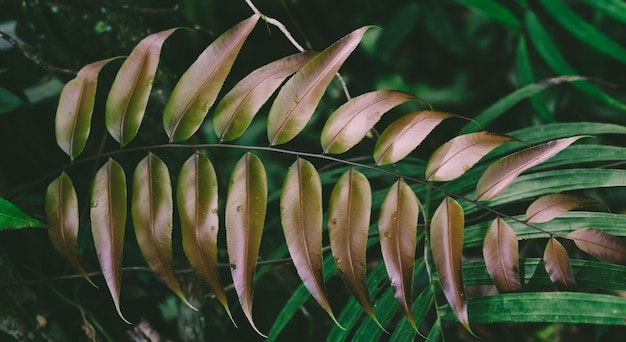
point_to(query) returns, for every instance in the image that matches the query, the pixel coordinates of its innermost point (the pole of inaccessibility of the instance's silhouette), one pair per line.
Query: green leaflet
(297, 99)
(246, 205)
(584, 31)
(494, 11)
(355, 118)
(351, 314)
(526, 76)
(128, 97)
(501, 106)
(405, 331)
(197, 201)
(397, 226)
(348, 222)
(589, 274)
(11, 217)
(613, 8)
(235, 111)
(446, 245)
(564, 307)
(152, 210)
(62, 215)
(546, 48)
(556, 262)
(197, 89)
(9, 101)
(301, 218)
(108, 221)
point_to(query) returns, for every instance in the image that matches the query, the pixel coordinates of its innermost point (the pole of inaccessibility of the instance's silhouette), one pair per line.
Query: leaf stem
(34, 58)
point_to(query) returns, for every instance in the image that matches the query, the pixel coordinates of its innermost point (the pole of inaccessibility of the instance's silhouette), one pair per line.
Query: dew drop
(337, 260)
(318, 208)
(256, 212)
(205, 107)
(387, 235)
(212, 228)
(392, 281)
(214, 211)
(310, 176)
(94, 204)
(394, 216)
(333, 221)
(233, 266)
(239, 208)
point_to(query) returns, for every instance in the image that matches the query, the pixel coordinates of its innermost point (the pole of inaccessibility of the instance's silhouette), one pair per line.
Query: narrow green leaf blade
(458, 155)
(397, 226)
(613, 8)
(197, 89)
(405, 331)
(197, 202)
(564, 307)
(75, 108)
(584, 31)
(493, 10)
(405, 134)
(11, 217)
(301, 218)
(551, 55)
(502, 173)
(601, 245)
(501, 106)
(108, 221)
(62, 214)
(9, 101)
(348, 222)
(128, 97)
(297, 99)
(557, 265)
(152, 210)
(355, 118)
(235, 111)
(446, 244)
(501, 253)
(246, 204)
(548, 207)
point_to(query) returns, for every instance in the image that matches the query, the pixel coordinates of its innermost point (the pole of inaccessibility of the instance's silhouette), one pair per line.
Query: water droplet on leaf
(387, 235)
(233, 266)
(239, 208)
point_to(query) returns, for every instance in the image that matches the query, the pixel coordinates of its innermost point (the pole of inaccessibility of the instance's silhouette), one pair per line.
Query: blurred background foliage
(458, 56)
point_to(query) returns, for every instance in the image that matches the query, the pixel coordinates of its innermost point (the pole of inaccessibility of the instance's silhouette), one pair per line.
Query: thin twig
(34, 58)
(293, 41)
